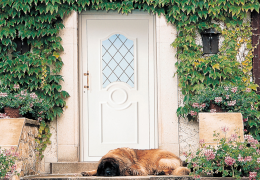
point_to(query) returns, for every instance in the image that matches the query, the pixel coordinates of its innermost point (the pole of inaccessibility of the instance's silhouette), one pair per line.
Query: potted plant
(20, 102)
(230, 158)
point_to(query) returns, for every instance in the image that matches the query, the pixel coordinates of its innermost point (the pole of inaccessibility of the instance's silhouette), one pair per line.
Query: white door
(116, 107)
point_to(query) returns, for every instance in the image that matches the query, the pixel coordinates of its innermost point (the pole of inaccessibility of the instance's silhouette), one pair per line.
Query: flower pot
(214, 106)
(12, 112)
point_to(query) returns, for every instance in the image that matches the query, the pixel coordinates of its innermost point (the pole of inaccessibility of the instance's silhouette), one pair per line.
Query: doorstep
(79, 177)
(72, 167)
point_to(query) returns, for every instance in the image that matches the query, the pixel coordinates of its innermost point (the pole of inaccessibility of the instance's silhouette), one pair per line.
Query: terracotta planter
(214, 106)
(12, 112)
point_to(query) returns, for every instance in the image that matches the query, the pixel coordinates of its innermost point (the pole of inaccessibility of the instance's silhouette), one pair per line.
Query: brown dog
(134, 162)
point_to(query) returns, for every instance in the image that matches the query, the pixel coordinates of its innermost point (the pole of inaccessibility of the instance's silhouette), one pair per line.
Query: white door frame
(136, 14)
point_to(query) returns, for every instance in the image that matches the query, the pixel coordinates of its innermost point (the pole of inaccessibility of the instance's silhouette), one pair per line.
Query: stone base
(210, 122)
(71, 168)
(20, 133)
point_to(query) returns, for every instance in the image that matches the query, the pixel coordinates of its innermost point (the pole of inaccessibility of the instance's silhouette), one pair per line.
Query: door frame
(153, 92)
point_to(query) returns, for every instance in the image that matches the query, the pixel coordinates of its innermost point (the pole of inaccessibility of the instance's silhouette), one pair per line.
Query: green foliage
(7, 162)
(230, 157)
(39, 22)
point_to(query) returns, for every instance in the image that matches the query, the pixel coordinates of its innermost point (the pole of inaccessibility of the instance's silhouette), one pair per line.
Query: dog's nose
(108, 172)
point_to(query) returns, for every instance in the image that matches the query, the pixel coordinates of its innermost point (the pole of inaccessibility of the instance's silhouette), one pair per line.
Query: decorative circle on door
(118, 96)
(118, 60)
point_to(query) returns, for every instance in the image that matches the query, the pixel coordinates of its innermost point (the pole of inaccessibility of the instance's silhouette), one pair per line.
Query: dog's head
(108, 167)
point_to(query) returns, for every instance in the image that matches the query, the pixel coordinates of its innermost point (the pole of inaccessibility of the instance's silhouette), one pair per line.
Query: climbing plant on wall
(39, 22)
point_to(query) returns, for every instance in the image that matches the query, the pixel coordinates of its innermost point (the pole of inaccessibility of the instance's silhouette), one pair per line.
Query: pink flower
(3, 115)
(192, 113)
(209, 154)
(248, 158)
(258, 151)
(16, 86)
(245, 130)
(234, 89)
(248, 137)
(16, 154)
(231, 103)
(245, 119)
(241, 147)
(24, 93)
(194, 165)
(195, 105)
(248, 89)
(229, 160)
(197, 177)
(31, 105)
(40, 112)
(202, 141)
(258, 160)
(224, 129)
(252, 107)
(226, 88)
(227, 96)
(240, 158)
(40, 118)
(33, 95)
(8, 175)
(203, 105)
(233, 136)
(252, 175)
(3, 94)
(218, 99)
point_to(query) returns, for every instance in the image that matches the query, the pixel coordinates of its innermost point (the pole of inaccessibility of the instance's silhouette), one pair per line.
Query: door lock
(87, 74)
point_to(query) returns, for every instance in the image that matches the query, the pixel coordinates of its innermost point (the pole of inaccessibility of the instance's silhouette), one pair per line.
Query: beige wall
(167, 86)
(65, 139)
(65, 130)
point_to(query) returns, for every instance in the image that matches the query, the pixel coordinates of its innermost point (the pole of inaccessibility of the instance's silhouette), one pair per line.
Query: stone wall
(188, 132)
(28, 160)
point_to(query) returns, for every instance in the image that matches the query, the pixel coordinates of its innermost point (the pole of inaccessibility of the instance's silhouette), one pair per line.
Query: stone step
(70, 167)
(79, 177)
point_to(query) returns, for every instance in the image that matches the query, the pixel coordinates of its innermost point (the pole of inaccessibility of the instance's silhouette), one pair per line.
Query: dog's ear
(116, 168)
(100, 168)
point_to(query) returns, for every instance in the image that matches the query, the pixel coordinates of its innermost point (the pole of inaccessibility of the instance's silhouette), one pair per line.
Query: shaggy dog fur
(134, 162)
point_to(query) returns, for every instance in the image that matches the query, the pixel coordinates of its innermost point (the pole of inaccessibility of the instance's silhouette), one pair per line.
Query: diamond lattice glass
(118, 60)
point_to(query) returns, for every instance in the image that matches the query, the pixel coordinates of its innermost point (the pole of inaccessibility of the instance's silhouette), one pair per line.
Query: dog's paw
(85, 174)
(181, 171)
(89, 173)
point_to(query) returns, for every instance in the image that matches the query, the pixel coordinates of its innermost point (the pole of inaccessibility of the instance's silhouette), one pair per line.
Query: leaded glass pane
(118, 60)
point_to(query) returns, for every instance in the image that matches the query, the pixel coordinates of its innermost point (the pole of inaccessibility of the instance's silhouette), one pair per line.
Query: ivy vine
(39, 22)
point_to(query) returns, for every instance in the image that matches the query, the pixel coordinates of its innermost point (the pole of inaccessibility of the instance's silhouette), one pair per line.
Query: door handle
(87, 74)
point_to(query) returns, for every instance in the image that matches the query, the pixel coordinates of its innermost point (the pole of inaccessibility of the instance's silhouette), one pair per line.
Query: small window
(118, 60)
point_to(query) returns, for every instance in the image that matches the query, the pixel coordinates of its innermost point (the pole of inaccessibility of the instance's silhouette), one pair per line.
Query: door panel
(116, 107)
